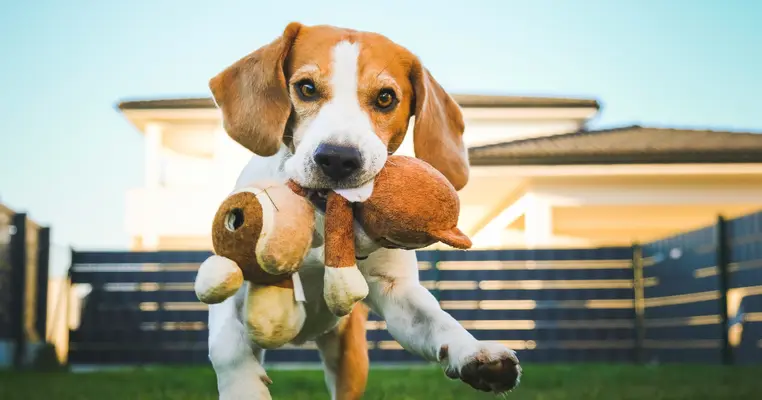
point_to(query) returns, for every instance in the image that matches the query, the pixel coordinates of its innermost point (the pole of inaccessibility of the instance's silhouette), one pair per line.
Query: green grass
(541, 382)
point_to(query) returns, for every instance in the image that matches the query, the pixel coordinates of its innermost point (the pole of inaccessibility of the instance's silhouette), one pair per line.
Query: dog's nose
(337, 162)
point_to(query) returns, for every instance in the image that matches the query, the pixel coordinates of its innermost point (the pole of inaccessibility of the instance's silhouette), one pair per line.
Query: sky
(69, 157)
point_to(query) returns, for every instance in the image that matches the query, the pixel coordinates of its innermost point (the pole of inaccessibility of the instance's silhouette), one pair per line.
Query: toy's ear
(253, 95)
(438, 129)
(454, 238)
(218, 278)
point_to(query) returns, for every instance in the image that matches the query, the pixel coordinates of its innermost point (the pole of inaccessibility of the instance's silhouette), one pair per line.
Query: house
(540, 178)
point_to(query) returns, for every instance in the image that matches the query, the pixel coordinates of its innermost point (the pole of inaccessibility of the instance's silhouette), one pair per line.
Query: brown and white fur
(265, 109)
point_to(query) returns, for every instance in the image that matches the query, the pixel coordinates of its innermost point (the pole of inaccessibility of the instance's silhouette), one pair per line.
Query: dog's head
(341, 101)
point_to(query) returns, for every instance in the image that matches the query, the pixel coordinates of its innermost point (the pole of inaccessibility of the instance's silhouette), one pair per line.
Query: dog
(325, 106)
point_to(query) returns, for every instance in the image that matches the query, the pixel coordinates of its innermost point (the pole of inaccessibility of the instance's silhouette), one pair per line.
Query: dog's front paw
(486, 366)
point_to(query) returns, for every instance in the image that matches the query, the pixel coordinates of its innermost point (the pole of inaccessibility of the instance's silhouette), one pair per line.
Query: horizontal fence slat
(545, 294)
(560, 314)
(544, 298)
(137, 257)
(125, 277)
(697, 309)
(685, 333)
(615, 253)
(536, 275)
(121, 280)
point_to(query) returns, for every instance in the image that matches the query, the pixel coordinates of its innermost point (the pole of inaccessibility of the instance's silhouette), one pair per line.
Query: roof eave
(613, 159)
(207, 102)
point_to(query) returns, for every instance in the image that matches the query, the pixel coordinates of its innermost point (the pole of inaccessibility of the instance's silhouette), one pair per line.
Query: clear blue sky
(68, 157)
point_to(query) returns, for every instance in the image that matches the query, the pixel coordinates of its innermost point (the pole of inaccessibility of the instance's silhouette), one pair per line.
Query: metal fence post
(67, 302)
(723, 259)
(18, 285)
(43, 261)
(639, 302)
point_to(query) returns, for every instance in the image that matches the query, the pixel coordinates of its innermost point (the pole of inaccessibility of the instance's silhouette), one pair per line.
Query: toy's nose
(337, 162)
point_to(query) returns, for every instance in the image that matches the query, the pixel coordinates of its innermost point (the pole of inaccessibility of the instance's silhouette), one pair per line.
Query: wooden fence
(550, 305)
(707, 303)
(24, 257)
(695, 297)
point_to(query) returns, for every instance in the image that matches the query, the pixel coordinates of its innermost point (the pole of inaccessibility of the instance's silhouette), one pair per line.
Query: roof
(465, 100)
(625, 145)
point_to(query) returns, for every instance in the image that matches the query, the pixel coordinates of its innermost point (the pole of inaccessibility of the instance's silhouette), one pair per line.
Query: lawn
(541, 382)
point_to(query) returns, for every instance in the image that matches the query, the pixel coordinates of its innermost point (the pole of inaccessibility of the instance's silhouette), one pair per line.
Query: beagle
(325, 106)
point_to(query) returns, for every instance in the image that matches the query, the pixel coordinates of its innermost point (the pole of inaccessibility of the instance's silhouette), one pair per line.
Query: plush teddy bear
(261, 234)
(411, 206)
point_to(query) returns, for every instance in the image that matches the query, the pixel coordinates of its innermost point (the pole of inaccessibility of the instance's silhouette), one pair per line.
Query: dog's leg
(235, 360)
(415, 320)
(344, 351)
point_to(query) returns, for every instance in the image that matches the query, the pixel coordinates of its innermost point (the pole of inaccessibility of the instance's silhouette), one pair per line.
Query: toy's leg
(273, 317)
(343, 284)
(235, 361)
(414, 318)
(344, 351)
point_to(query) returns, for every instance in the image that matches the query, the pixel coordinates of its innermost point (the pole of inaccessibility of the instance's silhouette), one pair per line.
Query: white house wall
(663, 190)
(481, 133)
(152, 213)
(582, 211)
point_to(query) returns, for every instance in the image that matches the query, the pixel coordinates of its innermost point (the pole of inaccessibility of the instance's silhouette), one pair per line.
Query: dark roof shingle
(626, 145)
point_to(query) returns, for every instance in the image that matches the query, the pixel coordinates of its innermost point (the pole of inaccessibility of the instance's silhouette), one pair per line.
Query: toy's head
(412, 206)
(267, 244)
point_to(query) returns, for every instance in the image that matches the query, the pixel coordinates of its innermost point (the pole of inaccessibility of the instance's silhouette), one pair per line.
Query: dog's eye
(306, 90)
(234, 219)
(386, 99)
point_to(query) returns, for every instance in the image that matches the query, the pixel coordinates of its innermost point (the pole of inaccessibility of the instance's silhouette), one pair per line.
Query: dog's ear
(253, 95)
(438, 129)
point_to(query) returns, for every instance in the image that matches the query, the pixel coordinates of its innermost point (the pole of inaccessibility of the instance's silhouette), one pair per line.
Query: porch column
(153, 168)
(153, 175)
(222, 176)
(538, 223)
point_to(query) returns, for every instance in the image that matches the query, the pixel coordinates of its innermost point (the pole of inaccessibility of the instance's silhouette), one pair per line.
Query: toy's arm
(339, 232)
(217, 279)
(344, 285)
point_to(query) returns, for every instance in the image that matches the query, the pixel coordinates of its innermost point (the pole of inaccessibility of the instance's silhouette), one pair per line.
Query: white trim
(141, 119)
(490, 234)
(528, 113)
(612, 170)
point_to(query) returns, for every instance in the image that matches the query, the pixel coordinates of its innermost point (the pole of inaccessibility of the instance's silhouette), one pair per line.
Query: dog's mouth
(356, 195)
(319, 198)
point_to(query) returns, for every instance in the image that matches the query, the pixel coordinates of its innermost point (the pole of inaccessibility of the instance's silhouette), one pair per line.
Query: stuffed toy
(261, 234)
(411, 206)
